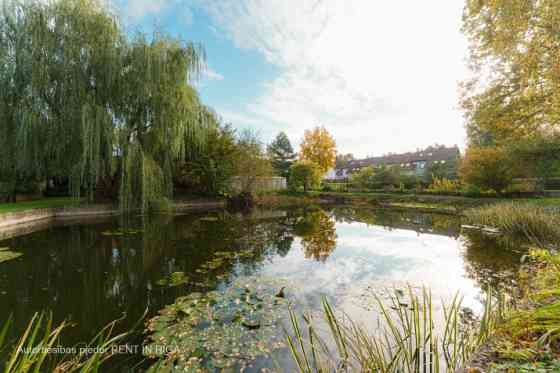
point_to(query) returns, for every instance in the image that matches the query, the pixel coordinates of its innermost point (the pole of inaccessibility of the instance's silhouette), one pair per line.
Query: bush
(444, 186)
(364, 178)
(472, 191)
(327, 188)
(487, 168)
(304, 174)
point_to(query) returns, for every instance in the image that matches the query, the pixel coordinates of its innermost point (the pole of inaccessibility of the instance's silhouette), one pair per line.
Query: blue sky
(381, 76)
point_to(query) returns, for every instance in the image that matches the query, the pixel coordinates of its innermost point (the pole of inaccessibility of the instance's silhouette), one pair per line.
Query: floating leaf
(174, 279)
(218, 330)
(6, 255)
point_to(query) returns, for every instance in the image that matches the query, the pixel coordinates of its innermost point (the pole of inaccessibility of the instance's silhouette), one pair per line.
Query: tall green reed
(411, 337)
(535, 223)
(33, 350)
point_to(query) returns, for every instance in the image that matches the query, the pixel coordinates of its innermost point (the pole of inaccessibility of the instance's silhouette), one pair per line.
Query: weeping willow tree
(83, 101)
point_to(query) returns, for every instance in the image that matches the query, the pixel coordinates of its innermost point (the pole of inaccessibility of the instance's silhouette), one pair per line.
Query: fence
(261, 184)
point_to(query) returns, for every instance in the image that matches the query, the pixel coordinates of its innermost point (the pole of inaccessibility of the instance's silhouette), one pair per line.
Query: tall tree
(281, 154)
(515, 54)
(319, 147)
(81, 100)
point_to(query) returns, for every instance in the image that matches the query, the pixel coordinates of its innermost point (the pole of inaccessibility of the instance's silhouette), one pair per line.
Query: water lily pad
(174, 279)
(218, 330)
(6, 255)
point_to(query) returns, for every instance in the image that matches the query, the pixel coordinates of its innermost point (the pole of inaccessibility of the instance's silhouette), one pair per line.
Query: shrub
(443, 185)
(487, 168)
(364, 178)
(409, 181)
(304, 174)
(471, 190)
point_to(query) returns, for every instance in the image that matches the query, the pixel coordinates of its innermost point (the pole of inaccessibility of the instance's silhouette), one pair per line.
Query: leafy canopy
(515, 49)
(83, 101)
(319, 147)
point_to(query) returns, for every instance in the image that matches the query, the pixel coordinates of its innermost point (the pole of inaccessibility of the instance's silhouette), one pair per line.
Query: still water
(94, 271)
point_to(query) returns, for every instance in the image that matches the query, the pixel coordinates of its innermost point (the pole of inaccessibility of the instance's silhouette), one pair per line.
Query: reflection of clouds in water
(368, 259)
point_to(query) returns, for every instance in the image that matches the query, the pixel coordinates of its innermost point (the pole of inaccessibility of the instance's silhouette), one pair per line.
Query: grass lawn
(38, 204)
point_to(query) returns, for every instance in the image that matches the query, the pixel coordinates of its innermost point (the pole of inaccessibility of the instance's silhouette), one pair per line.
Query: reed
(410, 339)
(536, 223)
(32, 352)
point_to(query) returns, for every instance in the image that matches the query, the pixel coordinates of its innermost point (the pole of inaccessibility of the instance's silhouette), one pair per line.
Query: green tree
(210, 169)
(304, 174)
(515, 49)
(319, 147)
(251, 162)
(386, 176)
(540, 155)
(281, 154)
(364, 178)
(82, 100)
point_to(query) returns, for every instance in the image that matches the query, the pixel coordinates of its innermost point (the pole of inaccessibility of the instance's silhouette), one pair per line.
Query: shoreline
(28, 219)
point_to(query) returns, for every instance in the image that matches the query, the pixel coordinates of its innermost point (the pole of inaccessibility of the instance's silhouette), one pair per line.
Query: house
(412, 163)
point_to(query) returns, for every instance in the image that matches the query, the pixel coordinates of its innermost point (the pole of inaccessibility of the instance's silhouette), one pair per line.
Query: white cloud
(382, 76)
(210, 74)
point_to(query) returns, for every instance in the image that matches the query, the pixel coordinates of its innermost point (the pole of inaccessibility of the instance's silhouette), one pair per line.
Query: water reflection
(94, 272)
(318, 234)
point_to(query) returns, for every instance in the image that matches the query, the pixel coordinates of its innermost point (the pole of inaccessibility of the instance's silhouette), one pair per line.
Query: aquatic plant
(532, 331)
(535, 223)
(409, 339)
(219, 329)
(6, 254)
(174, 279)
(32, 352)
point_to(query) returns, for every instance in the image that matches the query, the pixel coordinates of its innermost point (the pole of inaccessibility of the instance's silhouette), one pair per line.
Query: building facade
(413, 163)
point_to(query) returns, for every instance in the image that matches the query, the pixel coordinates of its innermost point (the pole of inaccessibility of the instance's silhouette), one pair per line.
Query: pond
(94, 271)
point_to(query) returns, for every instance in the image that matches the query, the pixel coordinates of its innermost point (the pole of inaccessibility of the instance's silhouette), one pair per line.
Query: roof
(429, 155)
